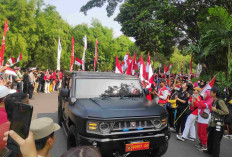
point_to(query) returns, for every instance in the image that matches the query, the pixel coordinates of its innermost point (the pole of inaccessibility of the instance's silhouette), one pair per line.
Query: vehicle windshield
(101, 88)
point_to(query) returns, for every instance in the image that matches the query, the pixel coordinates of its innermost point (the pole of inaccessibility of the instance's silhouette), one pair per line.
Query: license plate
(137, 146)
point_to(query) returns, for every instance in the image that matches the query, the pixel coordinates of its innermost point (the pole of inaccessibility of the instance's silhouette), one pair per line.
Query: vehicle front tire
(73, 139)
(161, 150)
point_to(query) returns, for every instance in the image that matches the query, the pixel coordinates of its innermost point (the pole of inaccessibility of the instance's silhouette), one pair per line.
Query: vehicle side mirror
(146, 91)
(64, 92)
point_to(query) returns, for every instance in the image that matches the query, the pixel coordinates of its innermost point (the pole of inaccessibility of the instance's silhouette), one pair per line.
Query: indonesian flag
(142, 70)
(10, 71)
(147, 66)
(150, 79)
(122, 66)
(199, 70)
(19, 57)
(78, 62)
(118, 68)
(83, 57)
(168, 69)
(191, 64)
(127, 60)
(208, 86)
(129, 69)
(138, 63)
(134, 66)
(11, 61)
(165, 68)
(72, 55)
(6, 28)
(7, 64)
(95, 60)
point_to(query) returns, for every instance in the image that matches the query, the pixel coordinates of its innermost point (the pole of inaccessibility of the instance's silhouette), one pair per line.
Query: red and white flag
(208, 86)
(147, 66)
(127, 60)
(129, 69)
(150, 78)
(10, 71)
(134, 66)
(95, 60)
(122, 66)
(118, 68)
(165, 68)
(168, 69)
(138, 63)
(19, 57)
(11, 61)
(7, 64)
(142, 70)
(6, 28)
(72, 55)
(78, 62)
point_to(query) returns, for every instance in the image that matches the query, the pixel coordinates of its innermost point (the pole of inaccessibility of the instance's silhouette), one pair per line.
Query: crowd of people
(187, 104)
(41, 137)
(183, 100)
(31, 80)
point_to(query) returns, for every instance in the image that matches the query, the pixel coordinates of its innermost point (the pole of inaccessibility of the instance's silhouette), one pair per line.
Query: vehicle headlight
(157, 123)
(104, 127)
(92, 126)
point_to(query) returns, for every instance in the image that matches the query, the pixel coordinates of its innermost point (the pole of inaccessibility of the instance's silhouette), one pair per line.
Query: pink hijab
(208, 100)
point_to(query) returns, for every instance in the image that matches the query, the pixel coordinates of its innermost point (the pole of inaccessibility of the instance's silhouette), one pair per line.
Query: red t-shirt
(3, 128)
(3, 116)
(195, 111)
(61, 75)
(47, 77)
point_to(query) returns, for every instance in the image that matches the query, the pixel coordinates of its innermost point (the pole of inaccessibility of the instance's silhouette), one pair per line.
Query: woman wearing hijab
(204, 108)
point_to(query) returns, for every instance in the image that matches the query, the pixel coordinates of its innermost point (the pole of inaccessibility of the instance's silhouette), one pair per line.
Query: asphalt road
(45, 105)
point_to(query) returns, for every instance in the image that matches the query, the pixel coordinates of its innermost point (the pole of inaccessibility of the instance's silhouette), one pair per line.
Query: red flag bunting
(95, 60)
(72, 55)
(6, 28)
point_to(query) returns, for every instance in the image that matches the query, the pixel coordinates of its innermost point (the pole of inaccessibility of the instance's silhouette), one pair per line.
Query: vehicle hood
(118, 108)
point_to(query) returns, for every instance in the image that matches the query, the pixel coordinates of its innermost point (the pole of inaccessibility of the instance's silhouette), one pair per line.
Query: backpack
(227, 118)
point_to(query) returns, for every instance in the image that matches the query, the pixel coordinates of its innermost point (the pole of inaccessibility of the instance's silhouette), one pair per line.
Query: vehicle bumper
(112, 145)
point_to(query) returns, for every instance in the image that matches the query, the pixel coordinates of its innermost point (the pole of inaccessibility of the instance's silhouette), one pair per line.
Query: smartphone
(21, 121)
(5, 152)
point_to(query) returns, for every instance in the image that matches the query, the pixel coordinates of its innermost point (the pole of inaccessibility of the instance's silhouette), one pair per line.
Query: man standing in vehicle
(162, 93)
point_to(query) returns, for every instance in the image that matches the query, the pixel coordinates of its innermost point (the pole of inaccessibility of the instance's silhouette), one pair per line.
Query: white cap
(4, 91)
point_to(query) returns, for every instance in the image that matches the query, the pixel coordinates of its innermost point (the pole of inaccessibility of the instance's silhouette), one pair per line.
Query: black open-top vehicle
(110, 112)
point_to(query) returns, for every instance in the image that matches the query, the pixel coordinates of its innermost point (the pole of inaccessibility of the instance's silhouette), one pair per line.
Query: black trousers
(25, 87)
(214, 141)
(171, 112)
(30, 90)
(180, 124)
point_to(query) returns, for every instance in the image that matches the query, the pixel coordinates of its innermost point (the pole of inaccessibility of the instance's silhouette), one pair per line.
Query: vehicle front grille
(131, 125)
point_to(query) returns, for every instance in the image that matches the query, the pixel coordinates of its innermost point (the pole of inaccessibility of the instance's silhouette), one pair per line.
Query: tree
(112, 4)
(35, 29)
(216, 38)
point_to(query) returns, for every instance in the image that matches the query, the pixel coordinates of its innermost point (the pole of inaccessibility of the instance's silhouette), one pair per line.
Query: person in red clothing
(4, 91)
(190, 123)
(162, 93)
(204, 106)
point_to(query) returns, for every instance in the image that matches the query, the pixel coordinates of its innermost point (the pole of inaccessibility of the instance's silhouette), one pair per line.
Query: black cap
(162, 80)
(216, 90)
